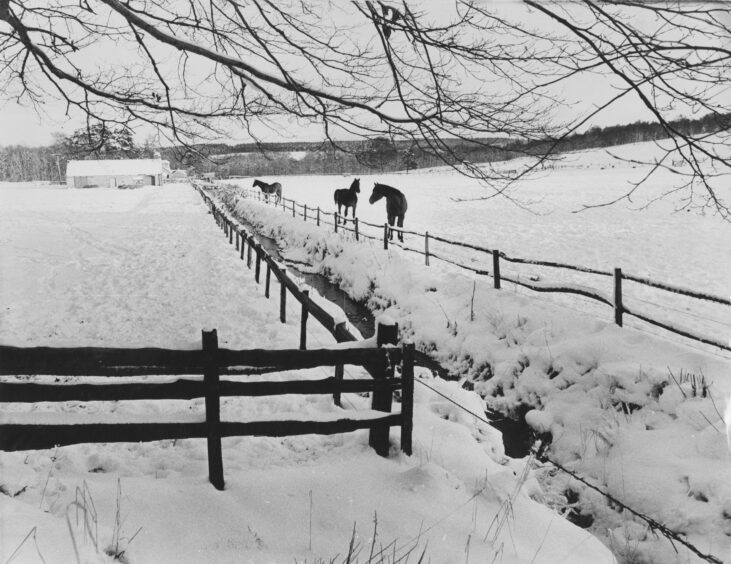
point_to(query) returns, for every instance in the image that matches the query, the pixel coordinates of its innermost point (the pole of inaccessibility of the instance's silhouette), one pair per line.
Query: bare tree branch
(202, 68)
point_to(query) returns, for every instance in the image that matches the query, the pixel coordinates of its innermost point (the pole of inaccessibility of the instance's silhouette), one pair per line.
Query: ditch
(518, 437)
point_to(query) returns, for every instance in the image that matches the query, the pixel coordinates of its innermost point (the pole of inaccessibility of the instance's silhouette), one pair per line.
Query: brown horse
(268, 189)
(347, 197)
(395, 205)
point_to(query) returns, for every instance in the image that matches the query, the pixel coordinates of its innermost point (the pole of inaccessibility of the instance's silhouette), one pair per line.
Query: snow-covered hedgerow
(606, 395)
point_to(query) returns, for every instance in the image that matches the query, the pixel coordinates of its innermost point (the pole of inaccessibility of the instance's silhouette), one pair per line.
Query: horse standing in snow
(347, 197)
(269, 189)
(395, 205)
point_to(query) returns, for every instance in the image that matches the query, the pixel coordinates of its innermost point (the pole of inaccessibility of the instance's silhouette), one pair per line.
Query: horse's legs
(391, 220)
(401, 224)
(339, 208)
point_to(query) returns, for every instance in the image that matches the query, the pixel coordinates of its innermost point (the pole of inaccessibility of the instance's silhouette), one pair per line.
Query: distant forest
(20, 163)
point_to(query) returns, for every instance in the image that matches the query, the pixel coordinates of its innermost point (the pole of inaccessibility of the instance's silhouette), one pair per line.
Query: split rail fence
(379, 362)
(495, 258)
(213, 362)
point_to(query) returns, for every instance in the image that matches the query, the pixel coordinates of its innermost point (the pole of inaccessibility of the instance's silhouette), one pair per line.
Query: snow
(539, 420)
(150, 268)
(636, 410)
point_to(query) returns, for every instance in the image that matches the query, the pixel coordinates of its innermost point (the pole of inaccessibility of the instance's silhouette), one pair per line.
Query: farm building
(178, 175)
(123, 173)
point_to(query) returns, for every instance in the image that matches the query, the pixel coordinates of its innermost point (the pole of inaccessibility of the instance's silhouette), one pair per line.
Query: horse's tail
(335, 196)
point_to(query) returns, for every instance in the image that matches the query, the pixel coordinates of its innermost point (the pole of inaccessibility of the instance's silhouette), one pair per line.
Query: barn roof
(121, 167)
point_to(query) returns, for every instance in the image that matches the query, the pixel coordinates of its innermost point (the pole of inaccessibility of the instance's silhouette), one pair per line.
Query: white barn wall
(116, 173)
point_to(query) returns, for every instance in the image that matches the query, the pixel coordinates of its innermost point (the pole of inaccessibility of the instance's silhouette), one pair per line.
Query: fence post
(248, 252)
(305, 212)
(339, 373)
(294, 211)
(386, 334)
(496, 268)
(230, 233)
(237, 240)
(268, 280)
(357, 237)
(339, 368)
(426, 248)
(282, 296)
(303, 319)
(407, 398)
(243, 240)
(618, 310)
(318, 216)
(385, 236)
(335, 217)
(213, 406)
(257, 271)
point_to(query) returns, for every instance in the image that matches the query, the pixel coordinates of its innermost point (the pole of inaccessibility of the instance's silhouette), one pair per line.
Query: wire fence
(229, 228)
(541, 455)
(491, 262)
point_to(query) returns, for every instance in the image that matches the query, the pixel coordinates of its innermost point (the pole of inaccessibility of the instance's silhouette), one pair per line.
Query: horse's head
(256, 183)
(355, 186)
(377, 193)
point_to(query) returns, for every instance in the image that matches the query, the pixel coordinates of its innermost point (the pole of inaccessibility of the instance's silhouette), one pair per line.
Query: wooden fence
(495, 258)
(212, 362)
(258, 259)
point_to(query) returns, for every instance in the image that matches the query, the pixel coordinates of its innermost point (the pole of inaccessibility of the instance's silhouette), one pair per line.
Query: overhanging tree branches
(368, 68)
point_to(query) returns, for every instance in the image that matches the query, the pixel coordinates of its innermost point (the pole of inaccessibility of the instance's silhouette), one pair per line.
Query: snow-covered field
(636, 411)
(684, 248)
(148, 267)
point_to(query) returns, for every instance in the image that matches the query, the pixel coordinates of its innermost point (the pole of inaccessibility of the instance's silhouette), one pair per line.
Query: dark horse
(395, 205)
(268, 189)
(348, 197)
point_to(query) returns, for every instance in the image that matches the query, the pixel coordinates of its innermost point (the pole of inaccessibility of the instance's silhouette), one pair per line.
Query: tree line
(20, 163)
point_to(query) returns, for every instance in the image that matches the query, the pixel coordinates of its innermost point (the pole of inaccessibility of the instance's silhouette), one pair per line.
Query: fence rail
(212, 362)
(493, 270)
(247, 246)
(380, 363)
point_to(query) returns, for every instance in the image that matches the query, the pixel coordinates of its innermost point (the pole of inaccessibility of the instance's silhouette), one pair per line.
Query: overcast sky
(28, 126)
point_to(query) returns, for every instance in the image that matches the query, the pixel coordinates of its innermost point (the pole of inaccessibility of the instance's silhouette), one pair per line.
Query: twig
(677, 383)
(32, 533)
(709, 421)
(48, 478)
(472, 302)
